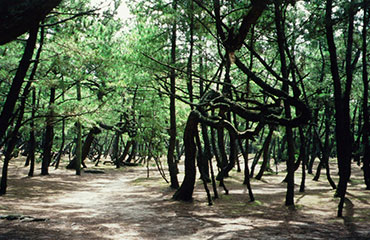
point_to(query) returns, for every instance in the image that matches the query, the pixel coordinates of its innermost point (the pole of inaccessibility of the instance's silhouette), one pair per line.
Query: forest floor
(125, 204)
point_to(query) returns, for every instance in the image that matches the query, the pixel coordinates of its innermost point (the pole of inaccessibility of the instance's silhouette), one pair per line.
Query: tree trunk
(342, 115)
(125, 151)
(289, 199)
(85, 148)
(172, 131)
(79, 133)
(49, 135)
(365, 98)
(61, 149)
(14, 135)
(246, 168)
(256, 158)
(32, 136)
(115, 149)
(305, 156)
(18, 80)
(132, 153)
(185, 192)
(8, 156)
(221, 148)
(32, 142)
(266, 155)
(207, 154)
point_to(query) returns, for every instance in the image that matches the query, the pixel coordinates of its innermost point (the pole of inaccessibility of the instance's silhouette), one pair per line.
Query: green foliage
(124, 70)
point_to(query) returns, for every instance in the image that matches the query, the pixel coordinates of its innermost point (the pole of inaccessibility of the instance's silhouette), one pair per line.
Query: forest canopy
(206, 84)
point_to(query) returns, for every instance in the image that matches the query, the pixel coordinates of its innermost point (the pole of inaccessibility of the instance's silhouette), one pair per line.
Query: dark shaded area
(18, 16)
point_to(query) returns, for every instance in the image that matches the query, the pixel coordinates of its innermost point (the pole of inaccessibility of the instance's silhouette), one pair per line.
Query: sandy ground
(125, 204)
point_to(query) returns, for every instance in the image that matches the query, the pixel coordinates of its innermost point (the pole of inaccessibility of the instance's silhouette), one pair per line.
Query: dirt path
(124, 204)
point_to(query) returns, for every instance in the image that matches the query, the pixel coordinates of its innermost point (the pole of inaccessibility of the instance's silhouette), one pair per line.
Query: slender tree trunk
(365, 98)
(125, 151)
(256, 158)
(18, 80)
(10, 147)
(289, 200)
(342, 115)
(32, 135)
(61, 149)
(12, 142)
(14, 135)
(245, 150)
(85, 148)
(8, 156)
(305, 156)
(221, 148)
(79, 134)
(31, 154)
(172, 131)
(207, 153)
(246, 168)
(132, 153)
(115, 150)
(313, 154)
(49, 135)
(215, 148)
(189, 71)
(266, 147)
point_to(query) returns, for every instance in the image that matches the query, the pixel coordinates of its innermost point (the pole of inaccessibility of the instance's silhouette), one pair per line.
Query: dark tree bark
(314, 153)
(115, 149)
(246, 168)
(221, 148)
(32, 136)
(79, 133)
(325, 149)
(256, 158)
(200, 163)
(189, 70)
(88, 142)
(61, 149)
(19, 16)
(342, 115)
(289, 199)
(172, 131)
(185, 192)
(245, 150)
(32, 141)
(49, 136)
(125, 151)
(85, 148)
(266, 155)
(215, 148)
(14, 135)
(10, 148)
(365, 98)
(8, 156)
(132, 154)
(18, 80)
(207, 153)
(304, 148)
